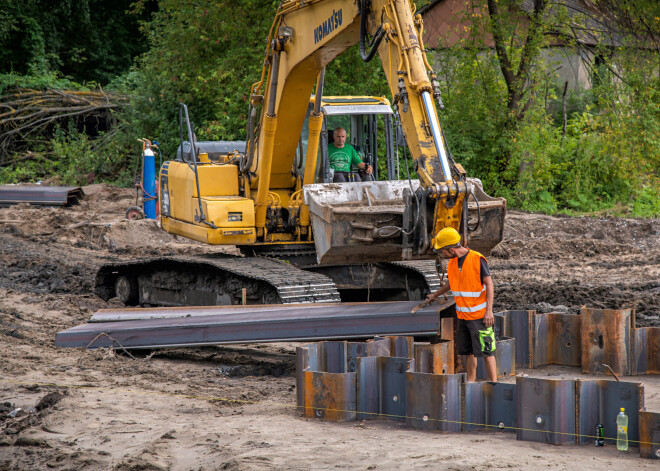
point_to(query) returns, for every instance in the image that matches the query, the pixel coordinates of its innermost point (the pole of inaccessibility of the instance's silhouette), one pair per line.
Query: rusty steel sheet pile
(40, 195)
(276, 323)
(489, 406)
(421, 382)
(606, 339)
(649, 435)
(599, 403)
(646, 350)
(546, 410)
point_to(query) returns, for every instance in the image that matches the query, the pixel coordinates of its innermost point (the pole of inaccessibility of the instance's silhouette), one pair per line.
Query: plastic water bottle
(622, 431)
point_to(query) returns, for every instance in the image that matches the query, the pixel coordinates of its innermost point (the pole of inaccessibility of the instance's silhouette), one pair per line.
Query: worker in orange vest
(472, 288)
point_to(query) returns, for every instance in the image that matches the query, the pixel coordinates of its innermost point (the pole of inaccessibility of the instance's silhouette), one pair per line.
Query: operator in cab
(342, 156)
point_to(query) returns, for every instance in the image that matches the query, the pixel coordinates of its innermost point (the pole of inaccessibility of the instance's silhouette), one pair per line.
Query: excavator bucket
(355, 223)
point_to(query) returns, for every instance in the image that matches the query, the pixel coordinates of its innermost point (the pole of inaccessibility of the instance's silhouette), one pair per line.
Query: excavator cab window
(369, 130)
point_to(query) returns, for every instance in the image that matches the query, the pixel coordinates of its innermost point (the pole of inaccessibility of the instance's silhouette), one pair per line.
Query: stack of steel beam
(194, 326)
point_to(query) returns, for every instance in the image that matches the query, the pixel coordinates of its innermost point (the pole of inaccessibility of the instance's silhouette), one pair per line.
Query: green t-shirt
(341, 159)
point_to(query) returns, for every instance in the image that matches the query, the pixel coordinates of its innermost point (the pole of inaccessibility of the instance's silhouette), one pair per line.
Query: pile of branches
(30, 115)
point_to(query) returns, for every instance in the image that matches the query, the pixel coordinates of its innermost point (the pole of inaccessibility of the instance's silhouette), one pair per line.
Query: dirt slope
(233, 407)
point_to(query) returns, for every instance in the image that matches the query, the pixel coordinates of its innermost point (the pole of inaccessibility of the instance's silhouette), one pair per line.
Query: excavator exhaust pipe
(355, 223)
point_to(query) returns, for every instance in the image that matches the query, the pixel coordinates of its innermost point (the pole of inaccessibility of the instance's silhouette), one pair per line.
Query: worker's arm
(436, 294)
(357, 161)
(363, 166)
(489, 319)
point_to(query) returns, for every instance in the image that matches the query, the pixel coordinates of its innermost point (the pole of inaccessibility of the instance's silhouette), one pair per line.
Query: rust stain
(605, 339)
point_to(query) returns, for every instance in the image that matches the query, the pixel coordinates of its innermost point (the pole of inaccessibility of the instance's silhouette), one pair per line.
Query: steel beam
(599, 403)
(40, 195)
(605, 338)
(350, 320)
(147, 313)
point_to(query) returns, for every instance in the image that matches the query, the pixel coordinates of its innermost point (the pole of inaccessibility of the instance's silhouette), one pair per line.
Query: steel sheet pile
(417, 382)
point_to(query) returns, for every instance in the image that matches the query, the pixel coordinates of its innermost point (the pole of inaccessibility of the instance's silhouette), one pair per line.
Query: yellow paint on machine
(233, 215)
(206, 234)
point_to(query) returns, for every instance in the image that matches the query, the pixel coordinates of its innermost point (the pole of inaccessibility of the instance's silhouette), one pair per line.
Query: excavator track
(186, 281)
(426, 268)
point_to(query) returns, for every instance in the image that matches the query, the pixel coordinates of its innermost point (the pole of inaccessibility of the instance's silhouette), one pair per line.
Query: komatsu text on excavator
(306, 239)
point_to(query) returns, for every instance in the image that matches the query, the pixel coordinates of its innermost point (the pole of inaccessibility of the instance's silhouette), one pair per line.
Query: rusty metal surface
(334, 357)
(379, 347)
(146, 313)
(351, 320)
(646, 350)
(599, 403)
(505, 360)
(329, 396)
(40, 195)
(433, 402)
(605, 339)
(381, 387)
(556, 340)
(490, 407)
(546, 410)
(402, 346)
(436, 358)
(518, 325)
(649, 435)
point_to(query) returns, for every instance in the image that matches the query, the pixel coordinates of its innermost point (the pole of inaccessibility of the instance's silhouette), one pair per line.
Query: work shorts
(474, 338)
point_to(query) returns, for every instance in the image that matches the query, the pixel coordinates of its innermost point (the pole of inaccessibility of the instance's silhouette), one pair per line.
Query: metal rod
(437, 137)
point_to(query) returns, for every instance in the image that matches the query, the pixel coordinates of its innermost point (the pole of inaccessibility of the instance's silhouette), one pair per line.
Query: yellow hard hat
(447, 236)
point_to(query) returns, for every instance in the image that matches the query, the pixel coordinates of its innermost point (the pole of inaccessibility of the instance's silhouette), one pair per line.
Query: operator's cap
(446, 237)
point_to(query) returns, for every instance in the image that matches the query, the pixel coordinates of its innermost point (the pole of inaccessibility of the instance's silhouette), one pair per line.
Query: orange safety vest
(469, 293)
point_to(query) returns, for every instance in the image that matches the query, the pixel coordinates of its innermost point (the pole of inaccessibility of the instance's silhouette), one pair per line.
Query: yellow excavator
(305, 238)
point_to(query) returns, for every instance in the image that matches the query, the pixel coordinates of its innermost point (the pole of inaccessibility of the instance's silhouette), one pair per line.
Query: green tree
(86, 40)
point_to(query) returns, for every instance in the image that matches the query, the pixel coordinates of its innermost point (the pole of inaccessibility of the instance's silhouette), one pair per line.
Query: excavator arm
(304, 38)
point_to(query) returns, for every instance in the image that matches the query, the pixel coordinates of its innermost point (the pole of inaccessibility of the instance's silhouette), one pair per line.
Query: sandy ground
(233, 407)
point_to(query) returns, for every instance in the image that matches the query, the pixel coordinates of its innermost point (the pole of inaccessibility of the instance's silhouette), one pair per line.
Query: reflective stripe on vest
(466, 286)
(470, 294)
(472, 309)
